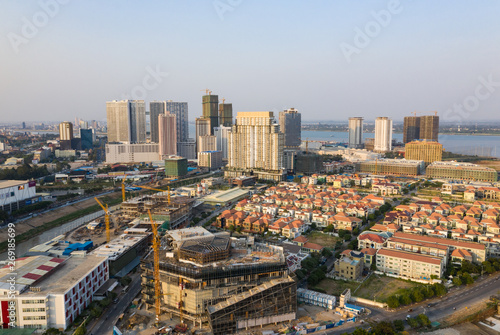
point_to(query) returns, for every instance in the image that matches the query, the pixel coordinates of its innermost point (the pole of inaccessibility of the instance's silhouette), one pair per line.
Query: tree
(457, 281)
(417, 295)
(52, 331)
(405, 299)
(80, 331)
(326, 253)
(423, 320)
(313, 226)
(360, 331)
(439, 289)
(96, 311)
(413, 322)
(330, 228)
(467, 279)
(399, 325)
(382, 328)
(393, 302)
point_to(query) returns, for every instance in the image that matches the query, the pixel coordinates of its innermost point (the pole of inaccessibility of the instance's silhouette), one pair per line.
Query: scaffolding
(205, 250)
(271, 302)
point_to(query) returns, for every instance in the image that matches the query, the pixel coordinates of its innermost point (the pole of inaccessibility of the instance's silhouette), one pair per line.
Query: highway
(458, 298)
(109, 318)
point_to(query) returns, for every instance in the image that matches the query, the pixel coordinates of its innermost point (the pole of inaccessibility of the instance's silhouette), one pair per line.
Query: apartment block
(427, 151)
(256, 147)
(410, 265)
(461, 171)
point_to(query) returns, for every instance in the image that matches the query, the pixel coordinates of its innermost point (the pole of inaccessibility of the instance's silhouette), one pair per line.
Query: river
(481, 145)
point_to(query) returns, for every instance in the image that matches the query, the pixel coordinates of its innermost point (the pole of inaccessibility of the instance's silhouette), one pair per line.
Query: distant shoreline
(398, 132)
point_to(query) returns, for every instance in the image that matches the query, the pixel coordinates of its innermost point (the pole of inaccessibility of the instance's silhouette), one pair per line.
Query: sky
(62, 59)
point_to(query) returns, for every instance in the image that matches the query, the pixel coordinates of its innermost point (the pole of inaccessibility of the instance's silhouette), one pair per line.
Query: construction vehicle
(107, 215)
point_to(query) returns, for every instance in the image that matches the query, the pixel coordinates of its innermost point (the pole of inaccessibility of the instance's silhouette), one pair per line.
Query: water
(460, 144)
(23, 247)
(479, 145)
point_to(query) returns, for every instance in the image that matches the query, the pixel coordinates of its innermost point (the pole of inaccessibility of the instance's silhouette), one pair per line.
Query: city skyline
(395, 68)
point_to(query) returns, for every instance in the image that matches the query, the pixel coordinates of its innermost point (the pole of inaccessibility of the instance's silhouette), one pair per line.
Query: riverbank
(35, 226)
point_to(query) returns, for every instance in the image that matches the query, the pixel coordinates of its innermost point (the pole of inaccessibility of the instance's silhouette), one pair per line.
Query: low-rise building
(349, 267)
(409, 265)
(461, 171)
(392, 167)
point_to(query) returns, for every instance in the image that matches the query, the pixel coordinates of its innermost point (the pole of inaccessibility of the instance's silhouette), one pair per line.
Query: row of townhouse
(414, 256)
(302, 204)
(476, 223)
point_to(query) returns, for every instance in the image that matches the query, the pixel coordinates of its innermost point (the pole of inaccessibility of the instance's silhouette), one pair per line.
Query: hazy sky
(329, 59)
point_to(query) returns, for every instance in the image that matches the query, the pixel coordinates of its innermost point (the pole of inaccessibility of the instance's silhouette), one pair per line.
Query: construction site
(217, 283)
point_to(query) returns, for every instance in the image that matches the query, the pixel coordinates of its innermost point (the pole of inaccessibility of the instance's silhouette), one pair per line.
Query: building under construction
(174, 212)
(213, 280)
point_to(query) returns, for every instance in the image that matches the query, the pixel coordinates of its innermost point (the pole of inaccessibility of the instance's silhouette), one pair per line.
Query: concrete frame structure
(290, 125)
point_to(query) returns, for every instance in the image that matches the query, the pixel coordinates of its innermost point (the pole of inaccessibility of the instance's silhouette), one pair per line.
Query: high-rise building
(210, 106)
(429, 127)
(167, 134)
(427, 151)
(207, 143)
(420, 128)
(256, 147)
(290, 125)
(65, 131)
(24, 125)
(87, 138)
(156, 108)
(383, 134)
(180, 110)
(210, 159)
(126, 121)
(202, 128)
(411, 128)
(355, 132)
(187, 149)
(225, 114)
(222, 135)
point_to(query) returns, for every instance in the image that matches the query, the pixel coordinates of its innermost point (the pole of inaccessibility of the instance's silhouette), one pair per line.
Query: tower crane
(207, 91)
(106, 218)
(156, 266)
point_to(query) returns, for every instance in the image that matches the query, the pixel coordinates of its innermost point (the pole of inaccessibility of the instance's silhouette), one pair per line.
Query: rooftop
(410, 256)
(445, 241)
(11, 183)
(115, 248)
(50, 274)
(225, 196)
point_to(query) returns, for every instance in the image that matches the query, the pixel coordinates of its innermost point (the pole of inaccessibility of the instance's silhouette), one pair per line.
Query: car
(408, 316)
(410, 310)
(115, 300)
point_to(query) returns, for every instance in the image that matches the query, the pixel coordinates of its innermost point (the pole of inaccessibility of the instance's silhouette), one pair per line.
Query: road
(109, 318)
(458, 298)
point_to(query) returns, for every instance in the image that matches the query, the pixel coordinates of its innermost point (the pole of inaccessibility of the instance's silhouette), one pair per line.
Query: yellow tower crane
(106, 218)
(156, 266)
(123, 190)
(156, 189)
